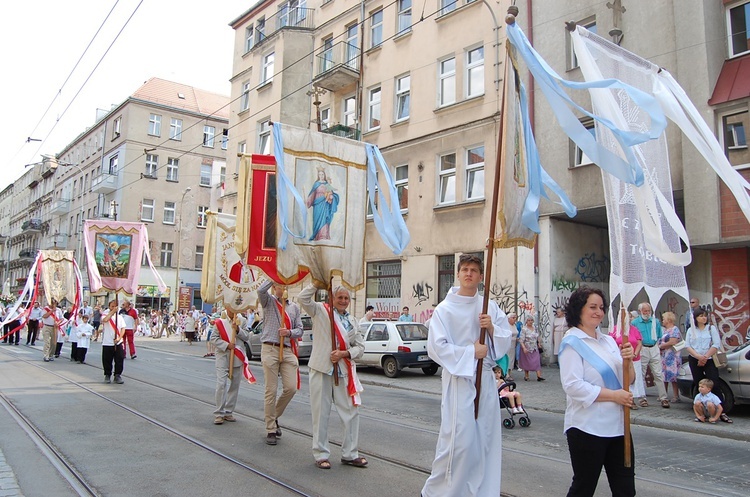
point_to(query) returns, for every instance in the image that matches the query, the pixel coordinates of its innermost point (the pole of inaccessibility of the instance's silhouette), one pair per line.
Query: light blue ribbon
(390, 224)
(550, 83)
(587, 354)
(285, 186)
(538, 177)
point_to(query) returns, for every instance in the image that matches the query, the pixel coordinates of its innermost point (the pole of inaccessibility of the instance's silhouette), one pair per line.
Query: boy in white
(83, 332)
(706, 403)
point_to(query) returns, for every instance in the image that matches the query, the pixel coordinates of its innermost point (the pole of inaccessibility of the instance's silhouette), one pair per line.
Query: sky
(186, 41)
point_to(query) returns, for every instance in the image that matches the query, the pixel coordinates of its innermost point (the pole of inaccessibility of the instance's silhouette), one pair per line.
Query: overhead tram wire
(41, 144)
(66, 79)
(258, 112)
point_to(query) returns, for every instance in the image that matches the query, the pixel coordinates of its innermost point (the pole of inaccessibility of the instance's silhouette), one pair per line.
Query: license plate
(423, 358)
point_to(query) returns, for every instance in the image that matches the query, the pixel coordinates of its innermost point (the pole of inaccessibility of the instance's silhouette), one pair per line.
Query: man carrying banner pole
(323, 392)
(228, 386)
(282, 326)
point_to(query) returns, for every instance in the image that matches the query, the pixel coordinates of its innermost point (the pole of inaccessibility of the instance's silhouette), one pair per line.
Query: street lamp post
(179, 237)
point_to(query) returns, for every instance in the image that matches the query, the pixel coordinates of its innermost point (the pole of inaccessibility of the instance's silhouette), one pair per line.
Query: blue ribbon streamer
(390, 225)
(550, 83)
(285, 186)
(587, 354)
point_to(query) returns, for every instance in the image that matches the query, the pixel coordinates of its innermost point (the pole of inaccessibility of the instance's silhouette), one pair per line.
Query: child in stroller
(510, 398)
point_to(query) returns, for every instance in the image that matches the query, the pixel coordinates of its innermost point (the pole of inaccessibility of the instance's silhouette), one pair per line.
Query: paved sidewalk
(8, 483)
(544, 396)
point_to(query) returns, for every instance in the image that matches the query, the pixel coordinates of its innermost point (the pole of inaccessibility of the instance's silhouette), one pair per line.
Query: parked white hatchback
(394, 345)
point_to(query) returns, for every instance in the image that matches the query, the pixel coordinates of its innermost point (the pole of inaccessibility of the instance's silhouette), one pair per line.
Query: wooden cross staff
(233, 342)
(625, 331)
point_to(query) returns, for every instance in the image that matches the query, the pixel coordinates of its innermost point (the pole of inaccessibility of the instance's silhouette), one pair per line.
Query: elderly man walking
(323, 390)
(282, 324)
(651, 332)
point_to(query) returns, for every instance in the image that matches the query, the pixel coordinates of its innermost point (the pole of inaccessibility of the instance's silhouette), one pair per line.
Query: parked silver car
(304, 344)
(394, 345)
(734, 380)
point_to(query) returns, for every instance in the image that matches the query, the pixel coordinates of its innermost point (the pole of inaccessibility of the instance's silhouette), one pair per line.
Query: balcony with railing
(59, 206)
(337, 66)
(104, 183)
(343, 131)
(286, 18)
(32, 226)
(27, 253)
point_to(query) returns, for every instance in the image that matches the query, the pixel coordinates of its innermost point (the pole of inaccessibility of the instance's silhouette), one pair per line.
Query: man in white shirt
(113, 347)
(130, 316)
(35, 315)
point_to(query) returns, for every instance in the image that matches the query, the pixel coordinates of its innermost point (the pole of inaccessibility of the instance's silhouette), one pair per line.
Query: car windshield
(412, 331)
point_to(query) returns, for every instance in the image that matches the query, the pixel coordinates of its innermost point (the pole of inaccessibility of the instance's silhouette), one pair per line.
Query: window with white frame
(579, 156)
(154, 125)
(404, 16)
(402, 186)
(175, 129)
(264, 137)
(152, 164)
(116, 127)
(223, 175)
(245, 98)
(202, 218)
(173, 169)
(474, 79)
(325, 118)
(447, 178)
(447, 83)
(205, 175)
(376, 28)
(373, 108)
(165, 259)
(352, 47)
(590, 24)
(224, 139)
(447, 6)
(249, 38)
(734, 136)
(113, 163)
(475, 173)
(169, 212)
(146, 250)
(349, 109)
(208, 136)
(326, 56)
(199, 257)
(383, 280)
(403, 92)
(738, 24)
(147, 209)
(267, 74)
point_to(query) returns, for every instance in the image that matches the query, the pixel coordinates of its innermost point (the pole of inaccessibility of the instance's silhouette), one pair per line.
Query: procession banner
(226, 276)
(321, 200)
(256, 232)
(114, 250)
(59, 276)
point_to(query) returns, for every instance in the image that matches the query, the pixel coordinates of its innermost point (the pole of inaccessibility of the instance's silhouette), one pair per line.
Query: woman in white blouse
(591, 374)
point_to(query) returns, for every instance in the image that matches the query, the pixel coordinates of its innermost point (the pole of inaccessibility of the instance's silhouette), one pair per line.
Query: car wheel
(727, 401)
(390, 367)
(430, 370)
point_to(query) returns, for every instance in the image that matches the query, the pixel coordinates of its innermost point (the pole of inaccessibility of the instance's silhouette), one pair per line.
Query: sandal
(665, 403)
(643, 403)
(359, 462)
(698, 420)
(726, 418)
(323, 464)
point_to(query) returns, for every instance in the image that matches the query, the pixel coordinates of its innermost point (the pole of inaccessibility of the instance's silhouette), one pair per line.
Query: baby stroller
(510, 422)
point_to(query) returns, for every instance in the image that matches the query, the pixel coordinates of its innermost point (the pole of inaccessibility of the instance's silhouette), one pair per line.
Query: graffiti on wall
(561, 283)
(593, 268)
(421, 292)
(731, 314)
